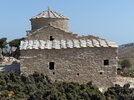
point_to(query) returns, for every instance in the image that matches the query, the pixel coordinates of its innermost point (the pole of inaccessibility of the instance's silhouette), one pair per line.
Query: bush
(40, 87)
(119, 93)
(126, 73)
(125, 63)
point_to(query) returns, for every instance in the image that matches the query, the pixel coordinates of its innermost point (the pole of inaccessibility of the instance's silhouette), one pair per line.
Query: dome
(49, 14)
(49, 17)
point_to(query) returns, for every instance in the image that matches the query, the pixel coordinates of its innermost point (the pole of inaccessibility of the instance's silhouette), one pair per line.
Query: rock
(9, 64)
(1, 58)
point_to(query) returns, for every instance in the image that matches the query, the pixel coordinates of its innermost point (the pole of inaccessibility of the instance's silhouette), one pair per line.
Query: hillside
(126, 51)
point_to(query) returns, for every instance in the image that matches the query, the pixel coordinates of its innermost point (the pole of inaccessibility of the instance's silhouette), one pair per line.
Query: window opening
(106, 62)
(78, 74)
(51, 65)
(118, 69)
(51, 38)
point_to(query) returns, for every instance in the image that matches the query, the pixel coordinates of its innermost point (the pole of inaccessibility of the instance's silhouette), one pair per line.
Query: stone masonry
(50, 48)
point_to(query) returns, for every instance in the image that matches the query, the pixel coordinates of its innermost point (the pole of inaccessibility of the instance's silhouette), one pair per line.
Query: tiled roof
(63, 44)
(49, 14)
(44, 27)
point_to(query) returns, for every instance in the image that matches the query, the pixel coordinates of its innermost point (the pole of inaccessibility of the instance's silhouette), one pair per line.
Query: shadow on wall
(13, 67)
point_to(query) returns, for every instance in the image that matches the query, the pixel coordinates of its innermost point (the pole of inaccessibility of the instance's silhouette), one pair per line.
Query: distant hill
(126, 45)
(126, 51)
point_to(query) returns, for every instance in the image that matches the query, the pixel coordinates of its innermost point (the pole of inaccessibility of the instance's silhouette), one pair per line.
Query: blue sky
(109, 19)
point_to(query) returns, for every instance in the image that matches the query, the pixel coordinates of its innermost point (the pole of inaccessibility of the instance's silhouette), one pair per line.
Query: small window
(101, 73)
(51, 38)
(106, 62)
(78, 74)
(118, 69)
(53, 73)
(51, 65)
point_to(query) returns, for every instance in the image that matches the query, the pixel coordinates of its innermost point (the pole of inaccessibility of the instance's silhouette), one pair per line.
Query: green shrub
(125, 63)
(40, 87)
(119, 93)
(126, 73)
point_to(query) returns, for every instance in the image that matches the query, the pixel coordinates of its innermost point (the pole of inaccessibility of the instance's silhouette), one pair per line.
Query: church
(50, 48)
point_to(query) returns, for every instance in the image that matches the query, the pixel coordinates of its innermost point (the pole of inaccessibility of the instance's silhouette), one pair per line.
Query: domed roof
(49, 14)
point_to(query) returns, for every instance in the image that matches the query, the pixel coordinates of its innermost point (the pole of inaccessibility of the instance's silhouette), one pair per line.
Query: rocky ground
(123, 80)
(8, 64)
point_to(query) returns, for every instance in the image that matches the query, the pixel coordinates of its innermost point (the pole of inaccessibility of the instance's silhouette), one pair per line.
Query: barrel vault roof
(64, 44)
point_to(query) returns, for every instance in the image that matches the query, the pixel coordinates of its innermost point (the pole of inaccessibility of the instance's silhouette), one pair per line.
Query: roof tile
(63, 44)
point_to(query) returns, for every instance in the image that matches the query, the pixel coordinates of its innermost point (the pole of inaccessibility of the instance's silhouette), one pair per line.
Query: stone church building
(50, 48)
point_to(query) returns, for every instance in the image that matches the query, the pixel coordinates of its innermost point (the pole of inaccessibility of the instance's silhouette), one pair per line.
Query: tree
(15, 42)
(3, 42)
(125, 63)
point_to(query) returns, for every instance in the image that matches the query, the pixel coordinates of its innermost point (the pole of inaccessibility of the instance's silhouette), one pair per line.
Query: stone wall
(75, 65)
(45, 33)
(59, 23)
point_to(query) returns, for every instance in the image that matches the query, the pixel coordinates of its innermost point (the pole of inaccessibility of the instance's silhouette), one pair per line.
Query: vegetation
(126, 73)
(3, 43)
(120, 93)
(15, 42)
(40, 87)
(125, 64)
